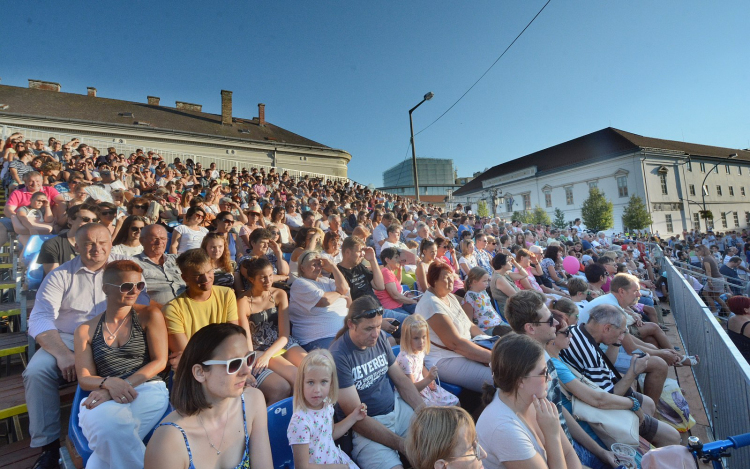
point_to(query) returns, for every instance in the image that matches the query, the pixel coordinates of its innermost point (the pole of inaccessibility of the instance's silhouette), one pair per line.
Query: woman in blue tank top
(217, 419)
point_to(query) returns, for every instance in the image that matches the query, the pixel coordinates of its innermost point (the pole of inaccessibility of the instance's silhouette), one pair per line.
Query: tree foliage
(636, 215)
(540, 216)
(559, 221)
(522, 216)
(482, 209)
(597, 213)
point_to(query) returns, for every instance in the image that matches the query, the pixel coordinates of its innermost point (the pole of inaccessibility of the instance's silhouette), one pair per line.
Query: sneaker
(48, 460)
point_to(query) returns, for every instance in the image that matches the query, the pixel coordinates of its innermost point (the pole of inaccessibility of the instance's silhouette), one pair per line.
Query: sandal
(688, 360)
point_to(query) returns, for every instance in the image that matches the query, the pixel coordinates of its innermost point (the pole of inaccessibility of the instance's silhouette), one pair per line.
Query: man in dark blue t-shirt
(364, 362)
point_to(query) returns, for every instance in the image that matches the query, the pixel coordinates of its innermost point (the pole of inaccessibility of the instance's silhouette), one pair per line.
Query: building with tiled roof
(42, 110)
(671, 177)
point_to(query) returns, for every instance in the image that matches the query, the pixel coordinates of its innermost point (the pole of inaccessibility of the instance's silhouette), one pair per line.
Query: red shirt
(22, 197)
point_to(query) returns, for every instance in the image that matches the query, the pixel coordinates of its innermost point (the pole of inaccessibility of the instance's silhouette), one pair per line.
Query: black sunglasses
(566, 332)
(108, 212)
(142, 207)
(90, 220)
(136, 229)
(369, 314)
(550, 321)
(227, 220)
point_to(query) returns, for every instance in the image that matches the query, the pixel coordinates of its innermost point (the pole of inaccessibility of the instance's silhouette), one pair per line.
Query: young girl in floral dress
(477, 303)
(311, 431)
(415, 344)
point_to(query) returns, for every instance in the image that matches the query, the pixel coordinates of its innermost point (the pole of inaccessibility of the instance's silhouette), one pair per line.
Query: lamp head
(430, 95)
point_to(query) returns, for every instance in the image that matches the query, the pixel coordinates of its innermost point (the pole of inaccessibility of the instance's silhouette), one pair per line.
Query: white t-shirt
(379, 234)
(504, 436)
(127, 250)
(190, 239)
(430, 305)
(315, 322)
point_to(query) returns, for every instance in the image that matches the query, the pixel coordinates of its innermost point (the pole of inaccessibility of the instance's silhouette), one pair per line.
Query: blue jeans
(406, 309)
(324, 343)
(397, 315)
(646, 301)
(587, 457)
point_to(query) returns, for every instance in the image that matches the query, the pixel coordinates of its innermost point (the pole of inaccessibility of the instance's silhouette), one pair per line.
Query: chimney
(44, 85)
(152, 100)
(188, 106)
(226, 107)
(261, 114)
(91, 91)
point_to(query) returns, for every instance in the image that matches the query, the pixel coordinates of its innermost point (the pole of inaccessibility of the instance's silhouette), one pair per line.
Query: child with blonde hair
(311, 431)
(415, 344)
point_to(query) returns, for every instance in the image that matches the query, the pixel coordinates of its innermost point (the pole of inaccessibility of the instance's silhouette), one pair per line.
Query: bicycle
(714, 451)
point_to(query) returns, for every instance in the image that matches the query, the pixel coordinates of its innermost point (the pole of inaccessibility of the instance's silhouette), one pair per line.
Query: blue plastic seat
(75, 433)
(288, 257)
(279, 416)
(34, 270)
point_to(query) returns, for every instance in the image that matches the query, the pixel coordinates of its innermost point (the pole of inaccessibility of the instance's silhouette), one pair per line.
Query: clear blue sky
(346, 73)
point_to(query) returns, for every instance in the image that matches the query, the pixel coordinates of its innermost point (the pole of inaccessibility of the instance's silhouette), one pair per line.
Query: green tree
(559, 221)
(482, 209)
(522, 216)
(540, 216)
(636, 215)
(597, 211)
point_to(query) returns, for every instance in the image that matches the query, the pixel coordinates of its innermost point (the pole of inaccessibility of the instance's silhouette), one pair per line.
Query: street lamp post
(427, 97)
(703, 184)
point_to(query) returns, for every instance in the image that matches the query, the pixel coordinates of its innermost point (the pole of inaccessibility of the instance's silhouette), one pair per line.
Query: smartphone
(396, 322)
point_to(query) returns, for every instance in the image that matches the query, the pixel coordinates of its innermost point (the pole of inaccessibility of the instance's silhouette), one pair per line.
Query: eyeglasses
(566, 332)
(545, 375)
(228, 220)
(136, 229)
(128, 287)
(369, 314)
(475, 452)
(141, 206)
(90, 220)
(233, 364)
(550, 322)
(108, 212)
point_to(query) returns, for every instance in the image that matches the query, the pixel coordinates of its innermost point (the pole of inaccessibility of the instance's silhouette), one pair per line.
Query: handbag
(611, 426)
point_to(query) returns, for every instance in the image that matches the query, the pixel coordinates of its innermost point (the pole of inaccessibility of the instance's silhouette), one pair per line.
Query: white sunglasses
(233, 364)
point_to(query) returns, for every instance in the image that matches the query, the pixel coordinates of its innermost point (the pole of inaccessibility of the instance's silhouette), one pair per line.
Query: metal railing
(225, 164)
(723, 376)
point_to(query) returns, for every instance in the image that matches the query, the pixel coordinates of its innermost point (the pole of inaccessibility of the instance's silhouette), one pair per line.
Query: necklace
(218, 450)
(112, 334)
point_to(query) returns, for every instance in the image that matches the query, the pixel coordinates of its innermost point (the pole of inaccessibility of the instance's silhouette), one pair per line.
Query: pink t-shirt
(22, 197)
(383, 296)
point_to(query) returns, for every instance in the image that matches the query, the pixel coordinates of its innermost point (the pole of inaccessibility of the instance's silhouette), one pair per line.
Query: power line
(486, 71)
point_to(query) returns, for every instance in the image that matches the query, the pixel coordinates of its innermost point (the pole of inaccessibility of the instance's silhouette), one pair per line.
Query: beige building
(183, 131)
(674, 179)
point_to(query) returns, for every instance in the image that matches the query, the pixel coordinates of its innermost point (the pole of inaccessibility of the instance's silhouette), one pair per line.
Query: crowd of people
(245, 287)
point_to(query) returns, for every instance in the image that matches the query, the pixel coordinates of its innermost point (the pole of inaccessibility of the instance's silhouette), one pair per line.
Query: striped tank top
(123, 361)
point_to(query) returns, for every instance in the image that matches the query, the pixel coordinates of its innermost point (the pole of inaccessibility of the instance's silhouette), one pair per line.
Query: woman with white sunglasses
(118, 355)
(217, 420)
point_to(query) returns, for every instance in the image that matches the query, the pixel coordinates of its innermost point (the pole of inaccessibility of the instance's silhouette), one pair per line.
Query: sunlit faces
(316, 386)
(365, 334)
(200, 277)
(215, 248)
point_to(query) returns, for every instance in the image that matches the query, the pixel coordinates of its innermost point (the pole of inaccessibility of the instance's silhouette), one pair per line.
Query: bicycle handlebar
(737, 441)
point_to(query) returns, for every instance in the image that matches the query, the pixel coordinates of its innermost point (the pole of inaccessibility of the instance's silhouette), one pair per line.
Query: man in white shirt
(67, 297)
(577, 226)
(380, 233)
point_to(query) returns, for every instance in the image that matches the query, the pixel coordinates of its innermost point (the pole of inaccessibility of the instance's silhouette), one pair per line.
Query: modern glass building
(436, 177)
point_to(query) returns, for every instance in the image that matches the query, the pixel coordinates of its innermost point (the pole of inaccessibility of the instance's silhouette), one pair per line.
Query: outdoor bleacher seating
(279, 415)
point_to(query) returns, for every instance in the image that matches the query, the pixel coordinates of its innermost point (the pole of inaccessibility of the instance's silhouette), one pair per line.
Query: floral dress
(315, 428)
(485, 315)
(413, 366)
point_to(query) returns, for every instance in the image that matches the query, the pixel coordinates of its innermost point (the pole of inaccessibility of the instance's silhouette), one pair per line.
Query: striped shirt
(584, 356)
